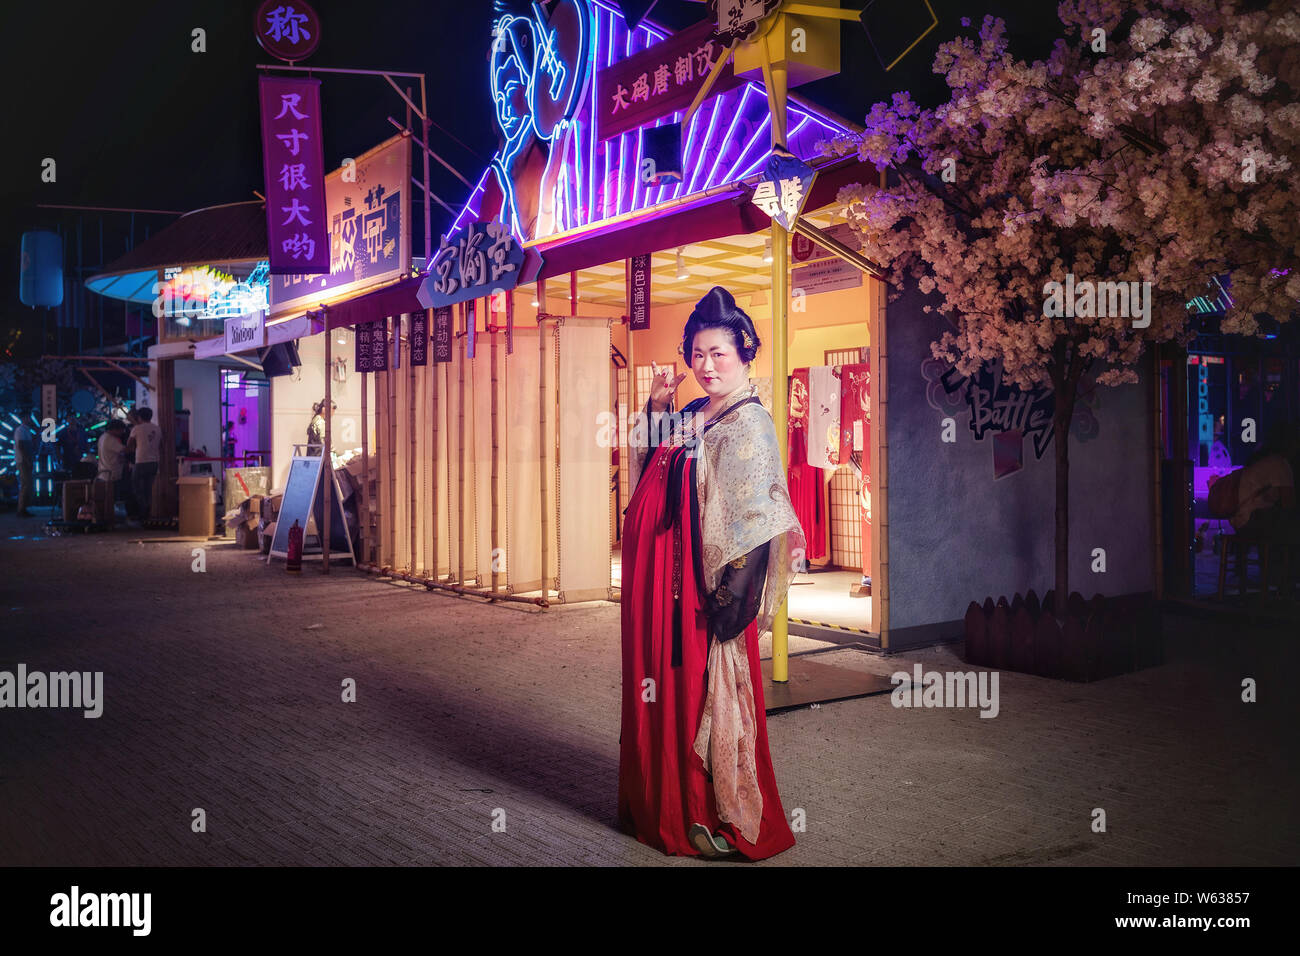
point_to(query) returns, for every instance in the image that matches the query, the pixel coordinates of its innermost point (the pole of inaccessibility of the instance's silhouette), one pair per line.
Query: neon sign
(204, 293)
(555, 171)
(479, 259)
(783, 190)
(539, 77)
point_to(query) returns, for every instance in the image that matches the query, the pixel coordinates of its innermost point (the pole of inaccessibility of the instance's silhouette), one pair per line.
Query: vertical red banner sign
(442, 334)
(379, 345)
(293, 163)
(638, 292)
(420, 338)
(363, 360)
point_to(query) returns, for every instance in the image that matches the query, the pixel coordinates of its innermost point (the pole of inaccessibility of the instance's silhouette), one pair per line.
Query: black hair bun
(718, 310)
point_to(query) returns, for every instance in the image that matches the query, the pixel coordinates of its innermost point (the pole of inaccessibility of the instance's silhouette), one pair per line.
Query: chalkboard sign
(302, 493)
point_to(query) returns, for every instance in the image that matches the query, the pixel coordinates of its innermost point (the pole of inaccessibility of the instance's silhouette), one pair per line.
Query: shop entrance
(828, 389)
(1228, 401)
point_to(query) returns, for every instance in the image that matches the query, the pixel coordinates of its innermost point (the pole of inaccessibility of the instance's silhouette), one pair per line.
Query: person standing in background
(112, 452)
(24, 456)
(146, 437)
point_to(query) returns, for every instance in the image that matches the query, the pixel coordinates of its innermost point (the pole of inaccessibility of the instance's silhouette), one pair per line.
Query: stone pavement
(222, 691)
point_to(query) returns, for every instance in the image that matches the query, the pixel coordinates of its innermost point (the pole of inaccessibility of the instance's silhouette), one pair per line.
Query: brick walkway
(223, 692)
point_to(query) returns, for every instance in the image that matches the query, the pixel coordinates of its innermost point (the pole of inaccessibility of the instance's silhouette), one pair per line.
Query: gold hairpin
(749, 343)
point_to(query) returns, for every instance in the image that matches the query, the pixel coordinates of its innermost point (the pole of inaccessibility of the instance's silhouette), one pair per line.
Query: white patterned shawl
(745, 501)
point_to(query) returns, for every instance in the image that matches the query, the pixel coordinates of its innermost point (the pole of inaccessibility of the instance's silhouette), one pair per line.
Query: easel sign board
(303, 494)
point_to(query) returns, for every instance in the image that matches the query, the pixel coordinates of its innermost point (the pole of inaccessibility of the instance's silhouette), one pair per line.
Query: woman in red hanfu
(710, 546)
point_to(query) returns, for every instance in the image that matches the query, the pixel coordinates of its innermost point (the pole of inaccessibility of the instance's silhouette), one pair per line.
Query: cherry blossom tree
(1158, 143)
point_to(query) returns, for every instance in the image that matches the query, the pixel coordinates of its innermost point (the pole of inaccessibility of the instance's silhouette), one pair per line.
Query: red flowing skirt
(663, 787)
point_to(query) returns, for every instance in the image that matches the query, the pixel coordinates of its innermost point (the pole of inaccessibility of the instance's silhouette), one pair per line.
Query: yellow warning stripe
(838, 627)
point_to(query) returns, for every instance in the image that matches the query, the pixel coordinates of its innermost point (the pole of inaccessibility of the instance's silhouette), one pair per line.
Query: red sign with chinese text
(659, 81)
(298, 242)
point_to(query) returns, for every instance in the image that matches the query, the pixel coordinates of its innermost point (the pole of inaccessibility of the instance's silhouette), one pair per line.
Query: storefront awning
(395, 299)
(723, 211)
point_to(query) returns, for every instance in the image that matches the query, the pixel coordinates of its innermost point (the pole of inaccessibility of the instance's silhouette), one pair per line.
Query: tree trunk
(1065, 396)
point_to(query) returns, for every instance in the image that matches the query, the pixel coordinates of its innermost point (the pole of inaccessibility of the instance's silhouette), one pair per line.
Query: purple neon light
(470, 207)
(686, 153)
(622, 137)
(634, 201)
(719, 104)
(604, 186)
(575, 200)
(754, 167)
(722, 149)
(756, 139)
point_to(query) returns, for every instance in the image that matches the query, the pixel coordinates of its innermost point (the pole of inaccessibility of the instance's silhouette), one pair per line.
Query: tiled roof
(205, 236)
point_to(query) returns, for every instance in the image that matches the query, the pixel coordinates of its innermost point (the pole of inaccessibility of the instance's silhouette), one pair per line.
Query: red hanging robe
(663, 787)
(807, 485)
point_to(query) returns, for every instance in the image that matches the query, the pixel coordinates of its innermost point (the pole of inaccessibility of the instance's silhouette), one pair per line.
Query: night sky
(134, 118)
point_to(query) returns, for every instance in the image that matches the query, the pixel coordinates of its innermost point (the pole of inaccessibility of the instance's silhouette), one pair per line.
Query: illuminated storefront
(476, 488)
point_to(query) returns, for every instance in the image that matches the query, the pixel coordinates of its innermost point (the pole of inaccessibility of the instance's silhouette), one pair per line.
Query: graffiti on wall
(1003, 413)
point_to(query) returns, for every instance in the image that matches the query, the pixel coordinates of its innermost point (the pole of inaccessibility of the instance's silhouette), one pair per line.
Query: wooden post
(363, 497)
(541, 405)
(495, 462)
(775, 77)
(390, 419)
(326, 465)
(410, 431)
(164, 501)
(460, 453)
(434, 502)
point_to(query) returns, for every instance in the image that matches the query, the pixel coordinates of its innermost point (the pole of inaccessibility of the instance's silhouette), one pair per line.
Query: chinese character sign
(296, 218)
(473, 262)
(739, 19)
(368, 231)
(378, 345)
(364, 358)
(638, 292)
(784, 188)
(287, 29)
(660, 80)
(442, 334)
(419, 338)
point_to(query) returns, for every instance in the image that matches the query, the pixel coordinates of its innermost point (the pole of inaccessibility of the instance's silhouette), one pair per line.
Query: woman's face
(716, 364)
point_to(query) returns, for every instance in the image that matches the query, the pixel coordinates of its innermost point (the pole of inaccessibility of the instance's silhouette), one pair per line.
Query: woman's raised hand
(662, 387)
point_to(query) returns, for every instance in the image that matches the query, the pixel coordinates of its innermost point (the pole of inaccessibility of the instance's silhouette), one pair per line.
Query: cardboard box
(74, 493)
(197, 511)
(267, 536)
(246, 538)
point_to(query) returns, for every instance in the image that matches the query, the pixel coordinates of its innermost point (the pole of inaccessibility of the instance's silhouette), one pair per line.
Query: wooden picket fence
(1091, 640)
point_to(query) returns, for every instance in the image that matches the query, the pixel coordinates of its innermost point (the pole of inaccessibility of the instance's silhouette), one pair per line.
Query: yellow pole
(776, 75)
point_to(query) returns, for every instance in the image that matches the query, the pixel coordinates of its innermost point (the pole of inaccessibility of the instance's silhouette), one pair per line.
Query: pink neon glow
(580, 199)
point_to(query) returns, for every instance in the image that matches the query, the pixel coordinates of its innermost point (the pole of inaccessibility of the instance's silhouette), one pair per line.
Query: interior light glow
(682, 271)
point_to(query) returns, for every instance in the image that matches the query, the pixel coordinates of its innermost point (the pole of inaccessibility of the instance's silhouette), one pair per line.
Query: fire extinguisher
(293, 562)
